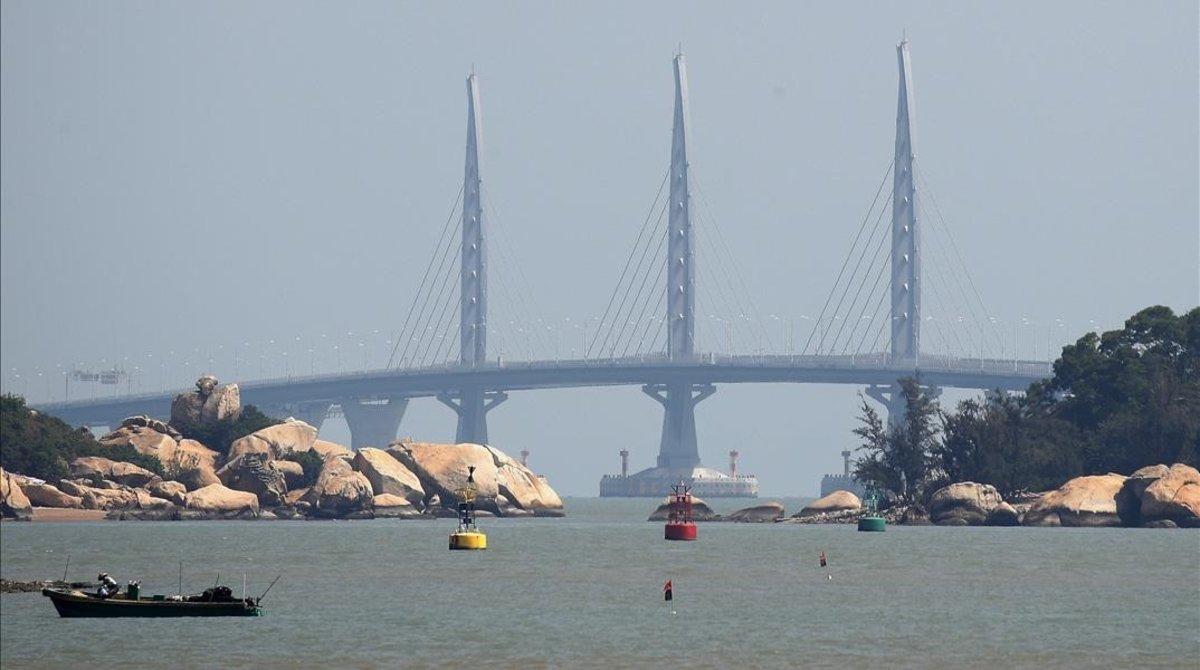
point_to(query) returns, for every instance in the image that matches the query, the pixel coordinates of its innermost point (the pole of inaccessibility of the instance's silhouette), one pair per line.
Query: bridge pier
(373, 423)
(312, 413)
(472, 406)
(678, 448)
(892, 399)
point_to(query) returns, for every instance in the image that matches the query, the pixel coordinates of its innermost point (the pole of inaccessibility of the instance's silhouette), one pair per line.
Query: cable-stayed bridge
(870, 332)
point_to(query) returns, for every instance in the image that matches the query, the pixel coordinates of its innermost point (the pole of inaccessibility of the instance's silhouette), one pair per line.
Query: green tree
(43, 446)
(899, 457)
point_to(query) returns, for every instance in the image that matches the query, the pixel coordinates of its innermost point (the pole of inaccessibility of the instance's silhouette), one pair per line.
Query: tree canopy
(1114, 403)
(43, 446)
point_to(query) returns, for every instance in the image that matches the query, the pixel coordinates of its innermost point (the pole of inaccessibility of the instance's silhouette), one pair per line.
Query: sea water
(586, 591)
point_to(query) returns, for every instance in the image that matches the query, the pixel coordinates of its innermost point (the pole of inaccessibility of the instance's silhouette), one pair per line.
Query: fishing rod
(264, 593)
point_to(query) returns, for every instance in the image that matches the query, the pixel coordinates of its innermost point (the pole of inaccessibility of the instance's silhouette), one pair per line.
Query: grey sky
(182, 177)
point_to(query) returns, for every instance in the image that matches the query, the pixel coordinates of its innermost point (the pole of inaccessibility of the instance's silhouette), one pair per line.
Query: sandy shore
(58, 514)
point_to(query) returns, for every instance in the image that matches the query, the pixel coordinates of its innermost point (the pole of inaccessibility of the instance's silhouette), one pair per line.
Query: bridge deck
(529, 375)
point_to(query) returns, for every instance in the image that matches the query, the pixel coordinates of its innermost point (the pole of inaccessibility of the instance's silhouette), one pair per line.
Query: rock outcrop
(45, 495)
(95, 467)
(1173, 496)
(254, 473)
(700, 511)
(144, 439)
(838, 501)
(173, 491)
(522, 488)
(208, 405)
(1003, 514)
(388, 476)
(339, 490)
(217, 500)
(389, 506)
(1095, 500)
(13, 503)
(765, 513)
(276, 441)
(327, 449)
(442, 469)
(963, 504)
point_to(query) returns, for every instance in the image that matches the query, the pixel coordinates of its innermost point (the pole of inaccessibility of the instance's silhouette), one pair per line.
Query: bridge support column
(472, 406)
(312, 413)
(678, 448)
(892, 398)
(373, 423)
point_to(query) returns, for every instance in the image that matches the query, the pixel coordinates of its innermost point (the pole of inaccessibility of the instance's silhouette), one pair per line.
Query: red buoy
(681, 524)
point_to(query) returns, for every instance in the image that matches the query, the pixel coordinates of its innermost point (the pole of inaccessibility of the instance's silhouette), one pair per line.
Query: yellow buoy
(468, 540)
(467, 535)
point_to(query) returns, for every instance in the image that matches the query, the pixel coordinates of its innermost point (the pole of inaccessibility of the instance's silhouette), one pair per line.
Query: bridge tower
(678, 447)
(906, 249)
(472, 404)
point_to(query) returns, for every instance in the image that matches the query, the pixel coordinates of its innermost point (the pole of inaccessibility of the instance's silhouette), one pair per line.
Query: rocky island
(280, 471)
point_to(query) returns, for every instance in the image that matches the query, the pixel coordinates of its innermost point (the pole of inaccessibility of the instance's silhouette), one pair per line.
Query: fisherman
(108, 586)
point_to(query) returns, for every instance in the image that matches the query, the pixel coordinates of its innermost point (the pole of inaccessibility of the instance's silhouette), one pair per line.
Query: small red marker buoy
(668, 594)
(681, 524)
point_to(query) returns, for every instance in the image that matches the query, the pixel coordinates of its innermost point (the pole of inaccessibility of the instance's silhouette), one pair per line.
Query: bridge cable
(618, 317)
(628, 261)
(846, 262)
(861, 283)
(424, 278)
(422, 323)
(645, 291)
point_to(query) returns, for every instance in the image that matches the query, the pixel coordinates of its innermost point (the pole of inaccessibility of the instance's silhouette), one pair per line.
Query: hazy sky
(186, 180)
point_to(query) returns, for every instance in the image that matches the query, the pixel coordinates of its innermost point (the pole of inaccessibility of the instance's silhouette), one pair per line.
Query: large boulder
(176, 492)
(327, 449)
(1095, 500)
(146, 421)
(104, 498)
(963, 504)
(144, 439)
(522, 488)
(1175, 495)
(388, 476)
(95, 467)
(193, 465)
(194, 479)
(339, 490)
(276, 441)
(209, 404)
(224, 403)
(218, 500)
(1003, 514)
(769, 512)
(442, 469)
(13, 503)
(254, 473)
(389, 506)
(700, 511)
(45, 495)
(838, 501)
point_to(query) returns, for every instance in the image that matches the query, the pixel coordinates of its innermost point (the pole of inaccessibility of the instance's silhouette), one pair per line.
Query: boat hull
(74, 604)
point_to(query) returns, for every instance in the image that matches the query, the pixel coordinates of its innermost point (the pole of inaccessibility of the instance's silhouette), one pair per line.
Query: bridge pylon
(472, 404)
(678, 446)
(906, 249)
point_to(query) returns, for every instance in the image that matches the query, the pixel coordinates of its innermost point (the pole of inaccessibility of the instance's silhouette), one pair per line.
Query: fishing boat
(467, 536)
(217, 601)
